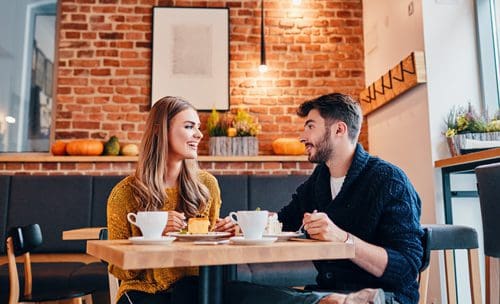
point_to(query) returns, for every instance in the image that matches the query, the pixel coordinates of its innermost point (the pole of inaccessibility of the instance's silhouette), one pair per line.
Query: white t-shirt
(336, 184)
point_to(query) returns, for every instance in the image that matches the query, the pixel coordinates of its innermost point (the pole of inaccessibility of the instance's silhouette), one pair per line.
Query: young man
(354, 197)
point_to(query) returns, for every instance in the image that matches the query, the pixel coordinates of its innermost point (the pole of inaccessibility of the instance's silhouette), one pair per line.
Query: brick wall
(105, 59)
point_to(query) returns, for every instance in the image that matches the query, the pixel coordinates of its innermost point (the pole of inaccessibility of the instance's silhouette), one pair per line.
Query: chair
(20, 241)
(488, 185)
(449, 238)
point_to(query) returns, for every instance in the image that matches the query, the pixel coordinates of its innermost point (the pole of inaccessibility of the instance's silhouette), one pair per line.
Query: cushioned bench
(60, 203)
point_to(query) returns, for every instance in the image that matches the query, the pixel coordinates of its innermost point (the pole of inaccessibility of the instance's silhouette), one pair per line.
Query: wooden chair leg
(492, 272)
(475, 278)
(88, 299)
(423, 285)
(113, 287)
(449, 265)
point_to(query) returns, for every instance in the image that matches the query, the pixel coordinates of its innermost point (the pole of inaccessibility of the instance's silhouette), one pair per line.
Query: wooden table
(210, 257)
(459, 165)
(90, 233)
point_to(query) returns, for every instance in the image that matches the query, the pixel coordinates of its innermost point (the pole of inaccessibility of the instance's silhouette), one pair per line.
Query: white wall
(453, 79)
(408, 131)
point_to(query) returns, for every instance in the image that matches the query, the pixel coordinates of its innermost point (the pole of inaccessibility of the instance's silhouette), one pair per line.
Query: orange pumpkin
(288, 146)
(58, 148)
(86, 147)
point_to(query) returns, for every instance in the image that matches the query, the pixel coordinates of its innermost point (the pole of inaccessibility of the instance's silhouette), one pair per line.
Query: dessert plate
(139, 240)
(285, 235)
(239, 240)
(199, 236)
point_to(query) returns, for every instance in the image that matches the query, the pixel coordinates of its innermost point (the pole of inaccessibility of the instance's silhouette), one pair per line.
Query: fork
(300, 230)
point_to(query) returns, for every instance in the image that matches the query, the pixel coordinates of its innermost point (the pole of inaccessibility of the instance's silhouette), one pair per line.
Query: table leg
(448, 214)
(210, 285)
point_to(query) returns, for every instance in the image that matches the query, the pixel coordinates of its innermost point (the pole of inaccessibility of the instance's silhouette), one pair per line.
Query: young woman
(167, 178)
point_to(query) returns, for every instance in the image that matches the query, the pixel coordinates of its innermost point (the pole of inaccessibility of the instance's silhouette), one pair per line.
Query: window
(488, 29)
(27, 43)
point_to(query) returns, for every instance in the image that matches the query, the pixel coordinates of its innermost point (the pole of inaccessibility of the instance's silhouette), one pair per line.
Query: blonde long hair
(148, 185)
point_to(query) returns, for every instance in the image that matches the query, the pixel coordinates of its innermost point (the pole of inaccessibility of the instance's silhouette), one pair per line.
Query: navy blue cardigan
(378, 204)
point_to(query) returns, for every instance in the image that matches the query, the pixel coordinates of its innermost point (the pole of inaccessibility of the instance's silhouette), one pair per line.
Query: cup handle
(234, 217)
(132, 221)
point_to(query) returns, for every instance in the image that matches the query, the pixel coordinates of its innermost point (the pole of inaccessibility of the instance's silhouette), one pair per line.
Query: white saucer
(285, 235)
(239, 240)
(139, 240)
(211, 236)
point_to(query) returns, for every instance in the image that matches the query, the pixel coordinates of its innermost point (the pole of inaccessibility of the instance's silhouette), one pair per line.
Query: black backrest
(4, 199)
(57, 203)
(426, 257)
(272, 192)
(234, 193)
(488, 185)
(25, 238)
(101, 188)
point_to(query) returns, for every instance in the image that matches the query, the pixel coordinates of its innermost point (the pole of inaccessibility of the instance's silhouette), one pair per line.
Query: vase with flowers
(233, 136)
(467, 131)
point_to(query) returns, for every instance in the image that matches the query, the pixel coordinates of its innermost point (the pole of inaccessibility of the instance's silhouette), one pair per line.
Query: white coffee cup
(252, 223)
(151, 223)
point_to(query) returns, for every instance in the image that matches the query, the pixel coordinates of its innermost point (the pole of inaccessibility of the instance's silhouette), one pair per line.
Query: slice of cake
(198, 225)
(273, 225)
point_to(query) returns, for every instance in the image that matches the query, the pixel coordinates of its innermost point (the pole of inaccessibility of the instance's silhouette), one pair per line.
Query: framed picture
(191, 55)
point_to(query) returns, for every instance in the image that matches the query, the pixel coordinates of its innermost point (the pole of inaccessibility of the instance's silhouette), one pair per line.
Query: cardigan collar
(357, 166)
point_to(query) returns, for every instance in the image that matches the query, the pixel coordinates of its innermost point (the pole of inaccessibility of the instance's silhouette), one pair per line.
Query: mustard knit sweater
(120, 203)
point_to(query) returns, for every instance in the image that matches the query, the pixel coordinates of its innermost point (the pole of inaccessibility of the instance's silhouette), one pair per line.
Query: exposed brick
(105, 59)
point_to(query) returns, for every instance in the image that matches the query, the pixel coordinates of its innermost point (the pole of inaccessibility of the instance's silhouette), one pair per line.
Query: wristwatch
(349, 239)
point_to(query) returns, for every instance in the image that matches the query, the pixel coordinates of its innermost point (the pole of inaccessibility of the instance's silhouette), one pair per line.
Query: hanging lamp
(262, 66)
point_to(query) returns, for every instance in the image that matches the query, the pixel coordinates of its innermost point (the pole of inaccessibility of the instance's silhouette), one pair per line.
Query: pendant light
(262, 66)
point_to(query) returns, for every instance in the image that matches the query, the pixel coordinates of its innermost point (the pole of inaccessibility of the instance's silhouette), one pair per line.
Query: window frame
(488, 49)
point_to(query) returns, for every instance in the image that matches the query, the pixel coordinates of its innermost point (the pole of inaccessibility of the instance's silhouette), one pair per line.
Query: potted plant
(236, 136)
(245, 142)
(467, 131)
(217, 130)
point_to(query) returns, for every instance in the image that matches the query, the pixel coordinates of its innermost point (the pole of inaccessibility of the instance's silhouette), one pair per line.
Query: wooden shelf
(467, 158)
(45, 157)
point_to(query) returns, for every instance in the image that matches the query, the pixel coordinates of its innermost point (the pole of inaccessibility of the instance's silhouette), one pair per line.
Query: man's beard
(324, 149)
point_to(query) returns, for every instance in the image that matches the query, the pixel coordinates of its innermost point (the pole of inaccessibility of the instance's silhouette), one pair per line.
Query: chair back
(20, 241)
(449, 238)
(25, 238)
(488, 185)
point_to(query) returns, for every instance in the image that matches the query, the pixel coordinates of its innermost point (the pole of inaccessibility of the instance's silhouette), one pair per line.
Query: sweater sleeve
(400, 226)
(118, 225)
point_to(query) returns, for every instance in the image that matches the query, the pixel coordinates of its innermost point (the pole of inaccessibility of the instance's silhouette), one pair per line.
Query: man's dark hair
(334, 107)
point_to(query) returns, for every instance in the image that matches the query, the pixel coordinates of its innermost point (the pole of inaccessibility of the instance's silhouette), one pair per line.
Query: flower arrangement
(241, 125)
(465, 120)
(215, 125)
(233, 135)
(468, 131)
(244, 124)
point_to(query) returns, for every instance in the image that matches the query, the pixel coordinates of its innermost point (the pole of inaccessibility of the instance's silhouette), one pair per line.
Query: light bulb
(10, 119)
(296, 2)
(262, 68)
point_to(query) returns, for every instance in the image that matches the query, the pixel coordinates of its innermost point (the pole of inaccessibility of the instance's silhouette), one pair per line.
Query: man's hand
(225, 225)
(319, 226)
(176, 221)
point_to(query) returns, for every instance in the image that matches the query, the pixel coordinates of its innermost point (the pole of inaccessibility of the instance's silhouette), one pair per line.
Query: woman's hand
(226, 225)
(176, 221)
